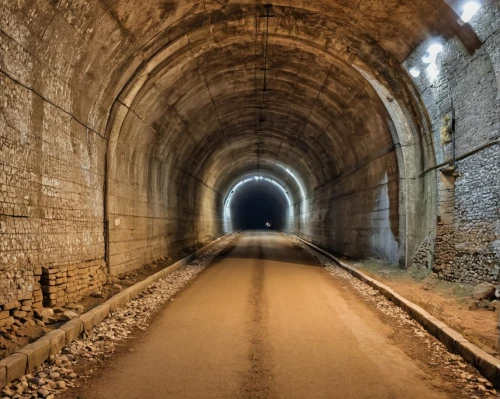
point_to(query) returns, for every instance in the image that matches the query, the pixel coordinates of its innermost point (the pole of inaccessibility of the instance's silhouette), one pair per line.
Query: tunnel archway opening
(257, 202)
(259, 210)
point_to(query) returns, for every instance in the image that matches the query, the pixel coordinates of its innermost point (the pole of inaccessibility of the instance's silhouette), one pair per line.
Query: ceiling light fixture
(415, 72)
(469, 10)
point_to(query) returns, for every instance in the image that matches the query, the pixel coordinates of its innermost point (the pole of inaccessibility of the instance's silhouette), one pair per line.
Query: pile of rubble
(451, 366)
(486, 296)
(58, 373)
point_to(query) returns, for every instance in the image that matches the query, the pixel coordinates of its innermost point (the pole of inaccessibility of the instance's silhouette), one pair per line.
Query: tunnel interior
(126, 128)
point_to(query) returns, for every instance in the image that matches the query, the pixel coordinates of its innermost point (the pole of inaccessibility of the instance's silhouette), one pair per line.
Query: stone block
(99, 313)
(3, 376)
(88, 321)
(72, 329)
(118, 301)
(151, 279)
(25, 296)
(131, 292)
(142, 285)
(49, 289)
(11, 305)
(15, 364)
(47, 270)
(433, 325)
(4, 314)
(450, 338)
(37, 353)
(57, 339)
(468, 352)
(487, 365)
(7, 322)
(37, 305)
(19, 313)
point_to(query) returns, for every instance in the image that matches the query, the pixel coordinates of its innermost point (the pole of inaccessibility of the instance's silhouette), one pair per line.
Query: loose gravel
(433, 352)
(58, 373)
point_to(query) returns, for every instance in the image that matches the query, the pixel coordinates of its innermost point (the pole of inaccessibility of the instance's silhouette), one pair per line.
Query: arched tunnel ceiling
(287, 193)
(192, 74)
(317, 116)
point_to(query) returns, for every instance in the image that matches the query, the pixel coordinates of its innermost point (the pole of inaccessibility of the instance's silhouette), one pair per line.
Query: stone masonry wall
(51, 181)
(468, 215)
(468, 250)
(67, 284)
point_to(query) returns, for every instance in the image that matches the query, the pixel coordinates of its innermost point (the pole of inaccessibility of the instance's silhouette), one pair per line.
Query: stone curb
(487, 365)
(26, 359)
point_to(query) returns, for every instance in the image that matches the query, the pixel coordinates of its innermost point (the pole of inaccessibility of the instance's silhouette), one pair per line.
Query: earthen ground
(450, 302)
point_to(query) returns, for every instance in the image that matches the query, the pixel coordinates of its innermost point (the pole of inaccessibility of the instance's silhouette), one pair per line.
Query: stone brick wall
(156, 208)
(51, 181)
(51, 169)
(67, 284)
(467, 248)
(468, 214)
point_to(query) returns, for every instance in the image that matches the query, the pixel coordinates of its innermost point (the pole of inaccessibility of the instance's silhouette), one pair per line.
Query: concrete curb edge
(487, 365)
(25, 359)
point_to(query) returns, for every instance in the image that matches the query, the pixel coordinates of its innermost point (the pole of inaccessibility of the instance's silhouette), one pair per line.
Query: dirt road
(264, 322)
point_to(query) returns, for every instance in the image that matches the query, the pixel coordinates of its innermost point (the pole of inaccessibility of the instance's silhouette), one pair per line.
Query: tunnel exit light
(469, 10)
(227, 224)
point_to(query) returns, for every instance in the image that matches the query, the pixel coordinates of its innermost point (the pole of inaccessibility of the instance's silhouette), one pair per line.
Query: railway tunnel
(131, 131)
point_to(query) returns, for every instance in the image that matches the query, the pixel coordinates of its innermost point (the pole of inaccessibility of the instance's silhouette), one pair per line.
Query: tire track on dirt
(258, 381)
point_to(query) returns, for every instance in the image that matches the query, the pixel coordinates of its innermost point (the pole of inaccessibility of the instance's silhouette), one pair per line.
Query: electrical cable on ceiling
(264, 86)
